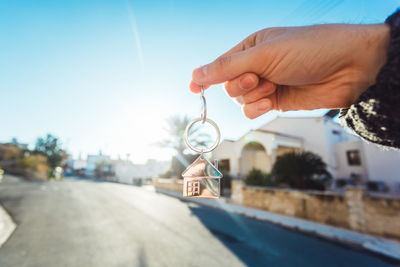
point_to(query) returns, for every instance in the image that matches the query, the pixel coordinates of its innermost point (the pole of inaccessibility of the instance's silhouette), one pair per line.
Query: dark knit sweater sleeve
(376, 114)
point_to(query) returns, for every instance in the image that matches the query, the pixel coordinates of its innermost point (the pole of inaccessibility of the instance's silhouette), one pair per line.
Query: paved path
(86, 223)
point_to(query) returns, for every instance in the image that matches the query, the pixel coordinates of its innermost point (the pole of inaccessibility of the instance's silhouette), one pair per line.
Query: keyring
(201, 151)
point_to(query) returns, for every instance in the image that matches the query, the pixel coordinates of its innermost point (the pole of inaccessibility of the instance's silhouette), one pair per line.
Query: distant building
(76, 164)
(126, 172)
(123, 171)
(94, 161)
(346, 156)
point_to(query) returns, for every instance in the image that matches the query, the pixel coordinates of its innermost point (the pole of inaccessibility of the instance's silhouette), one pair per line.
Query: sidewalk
(7, 226)
(374, 244)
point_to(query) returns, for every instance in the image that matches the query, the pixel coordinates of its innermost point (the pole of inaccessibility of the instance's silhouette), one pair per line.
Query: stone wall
(171, 184)
(382, 216)
(353, 209)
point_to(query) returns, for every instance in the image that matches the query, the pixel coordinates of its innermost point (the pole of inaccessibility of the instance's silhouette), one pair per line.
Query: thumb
(226, 67)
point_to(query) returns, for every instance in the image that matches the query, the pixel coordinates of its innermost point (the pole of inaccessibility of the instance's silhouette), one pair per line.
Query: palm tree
(176, 126)
(302, 170)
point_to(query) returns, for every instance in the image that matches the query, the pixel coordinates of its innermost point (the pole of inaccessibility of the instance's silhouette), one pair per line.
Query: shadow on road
(258, 243)
(233, 233)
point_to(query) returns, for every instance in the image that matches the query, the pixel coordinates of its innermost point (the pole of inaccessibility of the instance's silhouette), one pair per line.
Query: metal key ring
(201, 151)
(204, 109)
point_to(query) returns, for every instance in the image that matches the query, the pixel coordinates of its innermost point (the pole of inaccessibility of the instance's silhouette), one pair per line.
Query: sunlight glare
(139, 130)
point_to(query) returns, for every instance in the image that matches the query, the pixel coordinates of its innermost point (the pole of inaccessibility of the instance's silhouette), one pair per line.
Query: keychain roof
(202, 168)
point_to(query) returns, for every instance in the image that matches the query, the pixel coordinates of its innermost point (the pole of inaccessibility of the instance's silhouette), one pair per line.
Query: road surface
(87, 223)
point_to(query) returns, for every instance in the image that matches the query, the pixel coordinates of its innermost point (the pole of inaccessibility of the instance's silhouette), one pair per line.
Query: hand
(299, 68)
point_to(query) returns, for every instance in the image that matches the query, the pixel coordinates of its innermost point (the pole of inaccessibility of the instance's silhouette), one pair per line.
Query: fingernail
(263, 106)
(246, 82)
(200, 73)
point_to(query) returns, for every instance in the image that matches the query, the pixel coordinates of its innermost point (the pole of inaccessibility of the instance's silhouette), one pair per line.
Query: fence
(353, 209)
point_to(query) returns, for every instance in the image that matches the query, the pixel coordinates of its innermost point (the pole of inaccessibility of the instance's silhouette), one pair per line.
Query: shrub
(301, 170)
(257, 177)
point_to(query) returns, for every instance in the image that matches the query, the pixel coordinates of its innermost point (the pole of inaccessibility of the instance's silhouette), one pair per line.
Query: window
(193, 188)
(224, 165)
(353, 157)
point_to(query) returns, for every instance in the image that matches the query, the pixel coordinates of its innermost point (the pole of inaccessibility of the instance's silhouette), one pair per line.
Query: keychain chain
(204, 113)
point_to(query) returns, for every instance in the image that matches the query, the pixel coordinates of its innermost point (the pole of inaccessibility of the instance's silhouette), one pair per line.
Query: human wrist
(370, 55)
(379, 42)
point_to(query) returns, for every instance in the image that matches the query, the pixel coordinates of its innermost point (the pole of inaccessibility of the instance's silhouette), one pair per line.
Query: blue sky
(105, 74)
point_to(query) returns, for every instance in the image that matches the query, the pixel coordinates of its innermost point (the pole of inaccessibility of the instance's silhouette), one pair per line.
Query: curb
(378, 245)
(7, 226)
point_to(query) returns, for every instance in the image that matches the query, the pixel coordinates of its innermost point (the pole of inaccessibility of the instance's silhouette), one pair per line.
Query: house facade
(344, 153)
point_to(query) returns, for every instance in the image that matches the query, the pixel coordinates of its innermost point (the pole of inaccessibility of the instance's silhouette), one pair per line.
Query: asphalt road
(87, 223)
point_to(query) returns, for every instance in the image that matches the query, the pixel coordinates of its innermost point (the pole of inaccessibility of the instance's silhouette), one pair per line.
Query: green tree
(301, 170)
(14, 141)
(50, 146)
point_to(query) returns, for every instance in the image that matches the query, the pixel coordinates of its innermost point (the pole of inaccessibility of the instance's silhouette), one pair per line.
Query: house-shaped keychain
(202, 179)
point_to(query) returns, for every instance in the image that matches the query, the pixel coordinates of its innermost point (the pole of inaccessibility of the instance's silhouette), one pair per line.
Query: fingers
(265, 88)
(263, 105)
(225, 68)
(238, 86)
(241, 85)
(258, 108)
(250, 94)
(195, 88)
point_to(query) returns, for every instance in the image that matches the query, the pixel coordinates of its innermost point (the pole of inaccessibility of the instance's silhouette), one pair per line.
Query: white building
(126, 172)
(94, 160)
(77, 164)
(344, 153)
